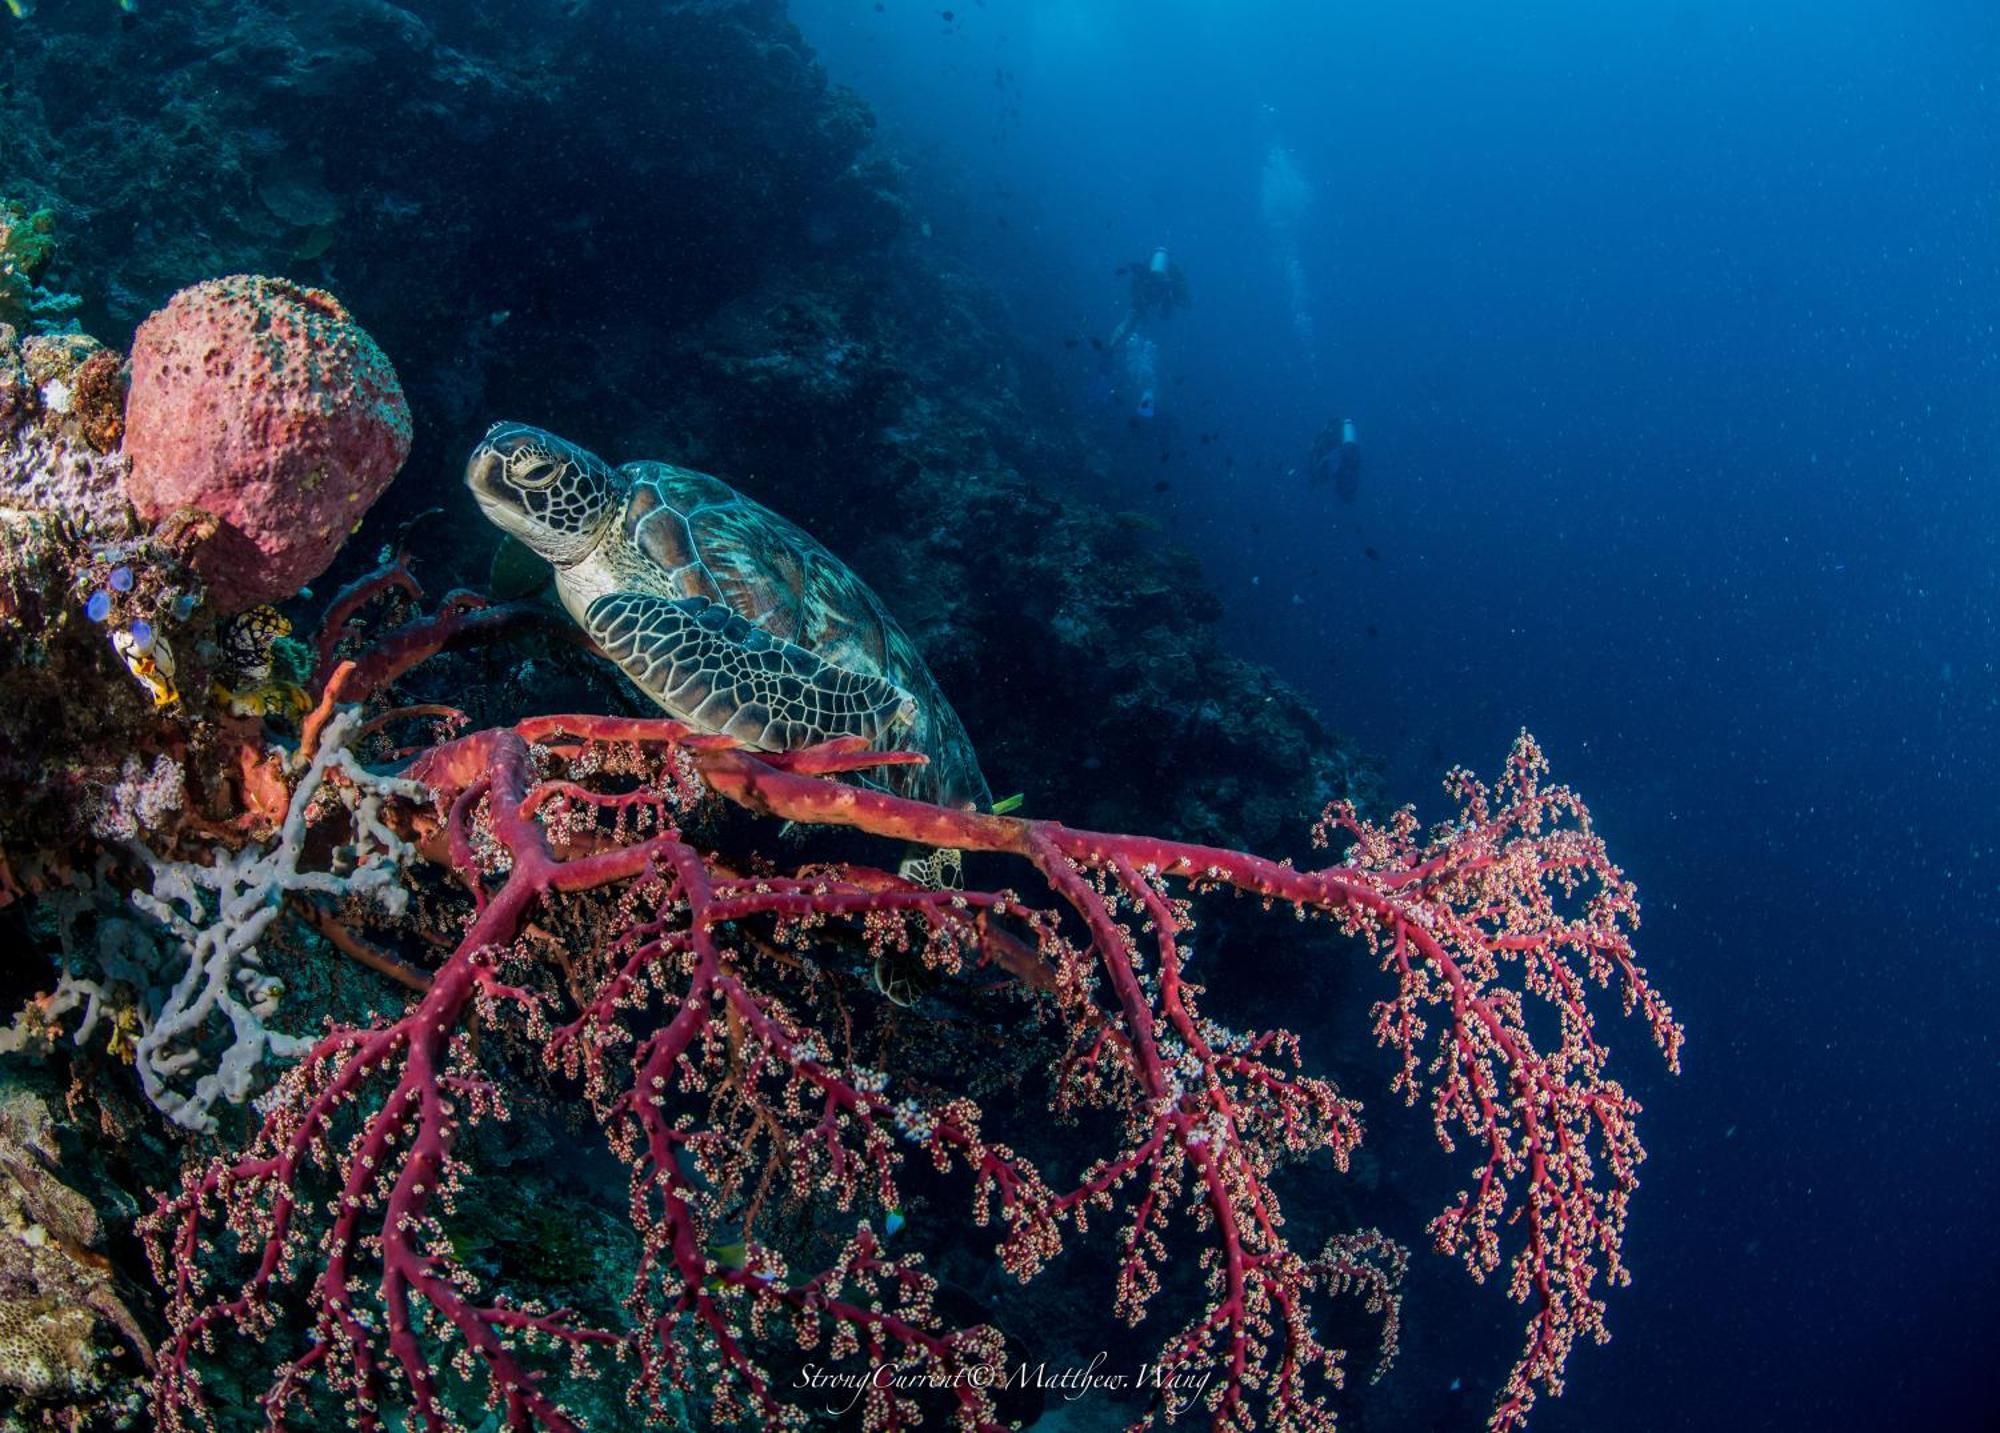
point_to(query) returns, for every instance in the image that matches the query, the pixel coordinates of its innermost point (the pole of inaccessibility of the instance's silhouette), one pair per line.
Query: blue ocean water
(1669, 336)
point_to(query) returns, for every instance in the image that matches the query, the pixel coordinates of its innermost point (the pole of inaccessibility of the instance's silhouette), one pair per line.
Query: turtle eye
(532, 470)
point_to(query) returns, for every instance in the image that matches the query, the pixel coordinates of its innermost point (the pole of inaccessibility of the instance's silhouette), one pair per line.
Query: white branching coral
(203, 1016)
(217, 915)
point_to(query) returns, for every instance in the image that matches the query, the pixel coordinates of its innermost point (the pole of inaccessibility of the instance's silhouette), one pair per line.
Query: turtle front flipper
(711, 668)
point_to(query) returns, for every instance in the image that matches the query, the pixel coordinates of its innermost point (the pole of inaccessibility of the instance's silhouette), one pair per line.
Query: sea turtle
(729, 617)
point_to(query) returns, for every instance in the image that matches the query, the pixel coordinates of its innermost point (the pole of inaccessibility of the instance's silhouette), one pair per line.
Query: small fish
(1098, 344)
(947, 15)
(1161, 486)
(1071, 342)
(1371, 554)
(734, 1256)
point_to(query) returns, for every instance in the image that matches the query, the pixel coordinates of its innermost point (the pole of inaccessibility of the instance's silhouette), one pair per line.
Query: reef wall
(661, 232)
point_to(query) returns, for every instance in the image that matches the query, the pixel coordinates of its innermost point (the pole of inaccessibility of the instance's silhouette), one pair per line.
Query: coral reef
(80, 575)
(67, 1338)
(144, 799)
(27, 242)
(720, 1079)
(486, 207)
(265, 406)
(831, 1090)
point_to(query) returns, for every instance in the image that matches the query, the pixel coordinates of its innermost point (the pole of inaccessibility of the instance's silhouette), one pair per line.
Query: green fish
(732, 1256)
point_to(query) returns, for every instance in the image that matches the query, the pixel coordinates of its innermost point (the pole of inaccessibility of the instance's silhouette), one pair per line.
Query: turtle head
(557, 498)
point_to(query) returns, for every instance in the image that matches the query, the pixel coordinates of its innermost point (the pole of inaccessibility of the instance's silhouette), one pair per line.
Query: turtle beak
(484, 472)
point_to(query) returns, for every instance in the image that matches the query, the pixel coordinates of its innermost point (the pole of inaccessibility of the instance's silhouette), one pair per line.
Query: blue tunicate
(98, 607)
(184, 606)
(121, 579)
(142, 635)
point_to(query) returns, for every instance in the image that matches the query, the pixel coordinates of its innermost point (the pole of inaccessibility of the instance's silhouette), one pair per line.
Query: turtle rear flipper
(714, 669)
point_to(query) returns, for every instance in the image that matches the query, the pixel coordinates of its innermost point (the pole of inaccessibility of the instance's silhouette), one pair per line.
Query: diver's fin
(712, 668)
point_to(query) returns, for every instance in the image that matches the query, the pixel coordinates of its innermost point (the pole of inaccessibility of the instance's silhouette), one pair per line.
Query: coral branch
(393, 576)
(712, 1081)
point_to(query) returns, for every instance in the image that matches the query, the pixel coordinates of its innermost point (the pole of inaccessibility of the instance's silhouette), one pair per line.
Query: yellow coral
(272, 698)
(122, 1043)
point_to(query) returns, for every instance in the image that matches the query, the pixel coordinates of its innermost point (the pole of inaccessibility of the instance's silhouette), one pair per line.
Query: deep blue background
(1670, 331)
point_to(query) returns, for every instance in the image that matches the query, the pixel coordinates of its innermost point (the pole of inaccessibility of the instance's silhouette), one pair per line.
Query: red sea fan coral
(712, 1082)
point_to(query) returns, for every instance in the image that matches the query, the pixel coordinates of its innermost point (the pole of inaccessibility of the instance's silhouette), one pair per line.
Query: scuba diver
(1158, 288)
(1336, 458)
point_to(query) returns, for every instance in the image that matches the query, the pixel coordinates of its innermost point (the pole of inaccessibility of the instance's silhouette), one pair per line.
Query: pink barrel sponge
(264, 404)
